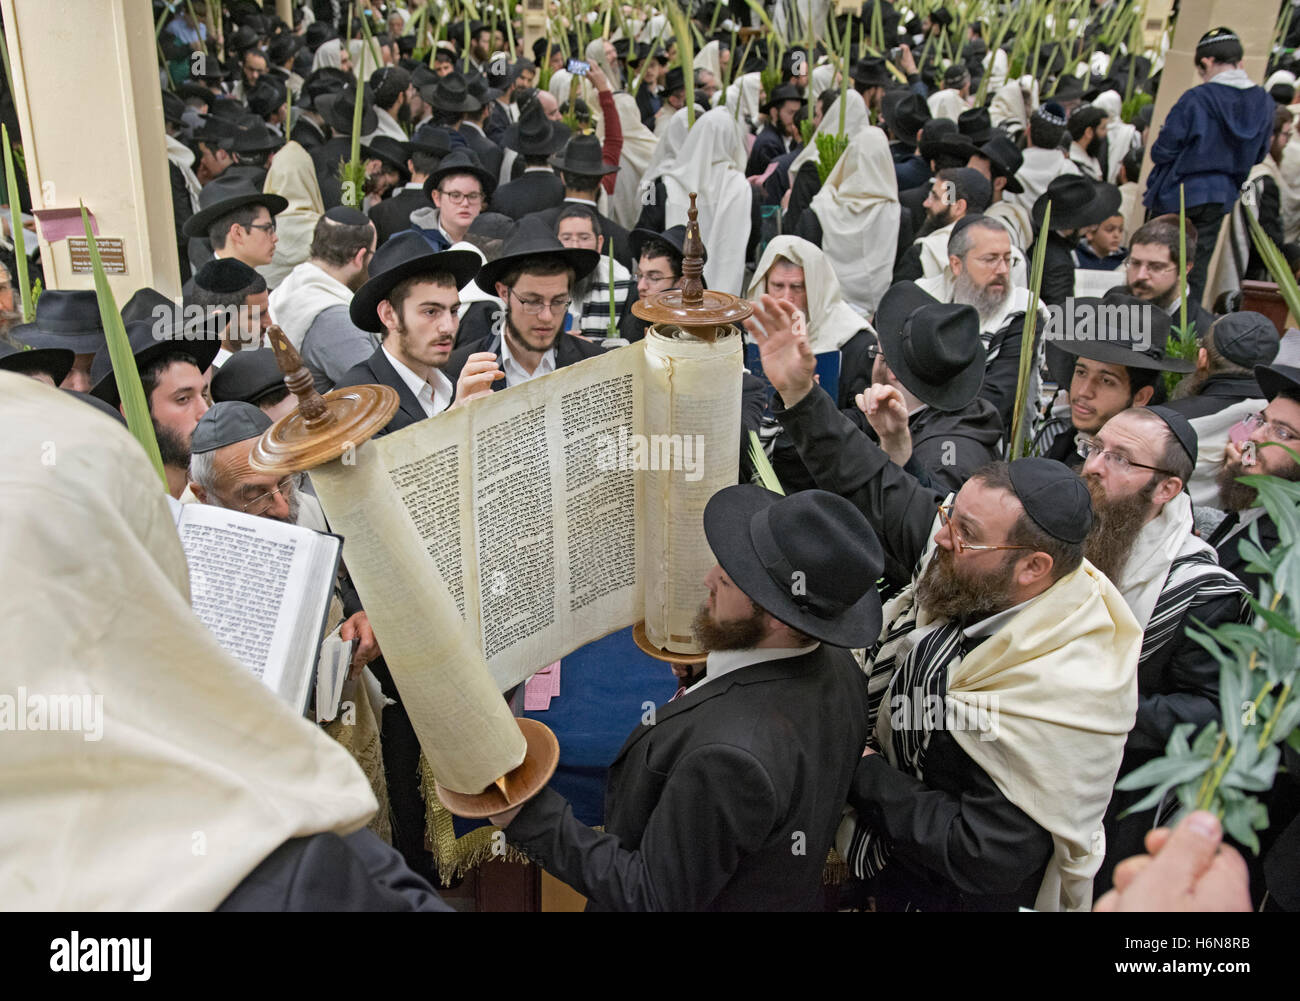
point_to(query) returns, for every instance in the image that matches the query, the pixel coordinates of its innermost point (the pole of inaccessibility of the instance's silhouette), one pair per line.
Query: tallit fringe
(454, 856)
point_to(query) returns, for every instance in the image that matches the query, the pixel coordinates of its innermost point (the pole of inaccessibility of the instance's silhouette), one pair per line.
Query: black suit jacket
(535, 191)
(326, 157)
(393, 215)
(568, 349)
(728, 801)
(611, 230)
(377, 370)
(488, 152)
(497, 123)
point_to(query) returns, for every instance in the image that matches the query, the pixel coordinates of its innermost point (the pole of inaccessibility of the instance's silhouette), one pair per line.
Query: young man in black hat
(48, 365)
(312, 304)
(1136, 469)
(1077, 203)
(999, 159)
(452, 96)
(582, 168)
(534, 277)
(779, 132)
(411, 300)
(535, 139)
(1248, 453)
(425, 152)
(238, 221)
(1114, 363)
(706, 800)
(1223, 391)
(960, 805)
(674, 99)
(459, 190)
(71, 321)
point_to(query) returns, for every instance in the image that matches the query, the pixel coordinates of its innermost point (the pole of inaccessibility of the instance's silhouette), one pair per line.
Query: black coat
(307, 134)
(1058, 269)
(326, 157)
(497, 123)
(392, 215)
(535, 191)
(378, 370)
(182, 209)
(488, 152)
(727, 802)
(611, 230)
(768, 145)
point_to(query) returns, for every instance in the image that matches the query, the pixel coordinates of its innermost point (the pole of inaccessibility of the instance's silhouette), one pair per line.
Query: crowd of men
(516, 204)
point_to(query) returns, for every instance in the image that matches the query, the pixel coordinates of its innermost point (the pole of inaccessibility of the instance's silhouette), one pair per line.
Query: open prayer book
(263, 587)
(558, 511)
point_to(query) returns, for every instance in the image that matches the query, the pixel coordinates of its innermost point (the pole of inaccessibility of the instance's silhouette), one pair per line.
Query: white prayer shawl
(1121, 137)
(199, 771)
(292, 176)
(708, 58)
(859, 213)
(302, 296)
(181, 155)
(1039, 169)
(831, 321)
(998, 73)
(1290, 171)
(746, 92)
(364, 62)
(821, 78)
(947, 103)
(1016, 218)
(639, 145)
(712, 164)
(389, 126)
(329, 55)
(855, 117)
(1089, 166)
(934, 251)
(1165, 538)
(663, 161)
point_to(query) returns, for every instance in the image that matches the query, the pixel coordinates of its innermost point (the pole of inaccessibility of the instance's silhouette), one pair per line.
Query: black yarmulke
(1181, 428)
(1054, 496)
(225, 274)
(347, 216)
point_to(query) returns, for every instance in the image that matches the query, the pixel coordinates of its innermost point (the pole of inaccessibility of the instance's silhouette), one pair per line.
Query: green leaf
(1243, 815)
(16, 224)
(762, 467)
(1178, 746)
(1204, 743)
(1284, 726)
(1164, 772)
(1232, 693)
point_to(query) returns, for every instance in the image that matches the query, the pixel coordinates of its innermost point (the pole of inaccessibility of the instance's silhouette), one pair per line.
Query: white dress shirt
(434, 395)
(516, 373)
(722, 662)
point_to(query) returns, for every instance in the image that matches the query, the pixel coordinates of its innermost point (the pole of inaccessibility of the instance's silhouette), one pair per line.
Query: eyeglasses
(992, 260)
(960, 544)
(461, 197)
(653, 277)
(262, 502)
(1152, 267)
(1087, 446)
(1273, 429)
(535, 307)
(267, 226)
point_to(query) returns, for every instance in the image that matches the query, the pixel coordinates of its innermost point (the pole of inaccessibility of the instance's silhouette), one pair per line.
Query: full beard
(174, 449)
(1190, 384)
(986, 299)
(1115, 527)
(742, 634)
(944, 593)
(1234, 496)
(935, 221)
(518, 337)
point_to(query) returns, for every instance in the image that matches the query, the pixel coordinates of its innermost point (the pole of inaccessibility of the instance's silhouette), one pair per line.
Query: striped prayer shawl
(1192, 580)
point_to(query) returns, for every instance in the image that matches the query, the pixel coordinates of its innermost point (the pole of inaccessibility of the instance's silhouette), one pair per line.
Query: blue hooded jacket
(1211, 139)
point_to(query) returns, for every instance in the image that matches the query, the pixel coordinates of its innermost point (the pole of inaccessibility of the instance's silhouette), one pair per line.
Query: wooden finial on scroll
(311, 405)
(692, 259)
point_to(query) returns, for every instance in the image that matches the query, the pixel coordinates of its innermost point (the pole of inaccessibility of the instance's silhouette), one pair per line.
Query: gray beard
(966, 293)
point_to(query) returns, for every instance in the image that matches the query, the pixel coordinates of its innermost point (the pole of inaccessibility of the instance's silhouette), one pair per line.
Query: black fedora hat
(870, 71)
(535, 134)
(197, 336)
(431, 139)
(391, 153)
(905, 114)
(933, 347)
(582, 155)
(674, 236)
(173, 108)
(146, 304)
(480, 90)
(267, 96)
(1076, 202)
(1111, 341)
(976, 125)
(674, 80)
(452, 93)
(1275, 379)
(460, 161)
(1068, 88)
(255, 137)
(785, 92)
(401, 257)
(934, 131)
(338, 108)
(64, 320)
(54, 362)
(532, 239)
(247, 376)
(765, 541)
(223, 195)
(1006, 159)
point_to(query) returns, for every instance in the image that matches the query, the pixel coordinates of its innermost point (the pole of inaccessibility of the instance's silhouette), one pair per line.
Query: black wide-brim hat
(460, 161)
(674, 236)
(1006, 159)
(1076, 202)
(870, 71)
(223, 195)
(1274, 379)
(338, 108)
(150, 341)
(582, 155)
(1060, 354)
(530, 137)
(392, 153)
(56, 362)
(533, 239)
(785, 92)
(933, 347)
(64, 319)
(831, 543)
(451, 93)
(398, 258)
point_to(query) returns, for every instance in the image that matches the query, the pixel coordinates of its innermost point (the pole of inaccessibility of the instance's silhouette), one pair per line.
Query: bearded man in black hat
(1003, 682)
(1136, 469)
(411, 300)
(535, 139)
(779, 132)
(706, 799)
(238, 221)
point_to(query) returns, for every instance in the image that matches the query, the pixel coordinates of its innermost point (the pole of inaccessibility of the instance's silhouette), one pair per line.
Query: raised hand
(887, 414)
(782, 337)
